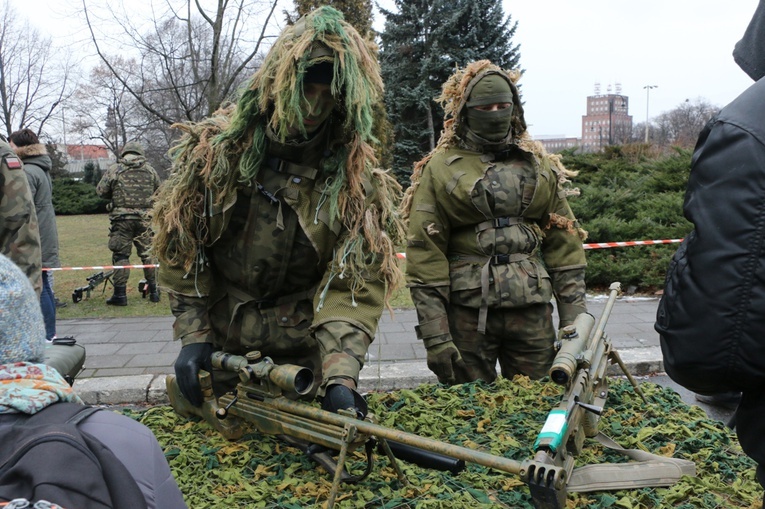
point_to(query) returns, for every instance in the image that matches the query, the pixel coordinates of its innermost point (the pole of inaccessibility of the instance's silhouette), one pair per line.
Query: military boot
(153, 292)
(120, 296)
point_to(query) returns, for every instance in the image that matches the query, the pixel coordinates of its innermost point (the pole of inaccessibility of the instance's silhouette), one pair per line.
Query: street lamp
(647, 91)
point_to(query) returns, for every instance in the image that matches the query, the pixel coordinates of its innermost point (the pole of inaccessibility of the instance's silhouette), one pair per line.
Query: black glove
(192, 358)
(340, 397)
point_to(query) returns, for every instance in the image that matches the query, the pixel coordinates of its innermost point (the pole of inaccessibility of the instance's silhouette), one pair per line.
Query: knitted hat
(22, 330)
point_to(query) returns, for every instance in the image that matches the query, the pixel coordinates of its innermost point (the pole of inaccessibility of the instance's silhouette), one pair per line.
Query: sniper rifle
(581, 367)
(93, 281)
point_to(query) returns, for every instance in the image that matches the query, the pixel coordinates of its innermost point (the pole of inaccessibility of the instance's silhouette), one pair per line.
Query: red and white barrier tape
(596, 245)
(601, 245)
(105, 267)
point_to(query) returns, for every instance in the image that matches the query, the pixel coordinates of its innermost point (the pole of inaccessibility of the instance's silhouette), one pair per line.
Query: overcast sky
(682, 46)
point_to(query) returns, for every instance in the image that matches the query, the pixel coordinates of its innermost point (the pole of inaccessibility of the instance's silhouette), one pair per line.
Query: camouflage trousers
(123, 234)
(521, 339)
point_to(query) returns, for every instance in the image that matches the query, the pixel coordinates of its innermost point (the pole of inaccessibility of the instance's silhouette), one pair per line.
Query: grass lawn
(83, 243)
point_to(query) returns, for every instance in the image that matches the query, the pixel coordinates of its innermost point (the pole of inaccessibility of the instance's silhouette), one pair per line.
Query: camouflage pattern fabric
(123, 234)
(270, 252)
(521, 339)
(19, 232)
(481, 232)
(130, 185)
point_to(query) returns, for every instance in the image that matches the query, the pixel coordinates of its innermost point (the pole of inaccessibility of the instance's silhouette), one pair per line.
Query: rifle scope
(573, 343)
(288, 377)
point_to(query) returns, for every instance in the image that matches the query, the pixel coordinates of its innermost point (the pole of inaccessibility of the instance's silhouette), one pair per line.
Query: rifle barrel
(410, 439)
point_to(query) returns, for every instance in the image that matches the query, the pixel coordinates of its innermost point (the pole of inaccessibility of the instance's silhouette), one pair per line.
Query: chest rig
(508, 240)
(265, 255)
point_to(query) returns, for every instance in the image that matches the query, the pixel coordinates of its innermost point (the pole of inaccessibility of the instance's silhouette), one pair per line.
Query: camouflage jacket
(130, 185)
(271, 246)
(19, 233)
(498, 234)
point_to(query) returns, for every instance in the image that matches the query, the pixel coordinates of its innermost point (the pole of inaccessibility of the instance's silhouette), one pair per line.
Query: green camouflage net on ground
(259, 471)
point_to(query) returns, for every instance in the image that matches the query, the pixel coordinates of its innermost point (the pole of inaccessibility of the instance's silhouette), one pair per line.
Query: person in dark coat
(712, 314)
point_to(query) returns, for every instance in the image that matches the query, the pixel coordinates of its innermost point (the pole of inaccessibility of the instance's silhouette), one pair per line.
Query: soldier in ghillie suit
(491, 237)
(274, 232)
(19, 232)
(130, 185)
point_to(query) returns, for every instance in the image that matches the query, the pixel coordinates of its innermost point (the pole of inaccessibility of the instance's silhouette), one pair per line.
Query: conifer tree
(421, 45)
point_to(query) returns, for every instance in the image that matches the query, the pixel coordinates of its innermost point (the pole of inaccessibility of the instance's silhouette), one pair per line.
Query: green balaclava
(492, 126)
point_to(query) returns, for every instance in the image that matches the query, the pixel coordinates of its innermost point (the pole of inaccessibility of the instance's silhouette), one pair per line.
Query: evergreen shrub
(74, 197)
(626, 196)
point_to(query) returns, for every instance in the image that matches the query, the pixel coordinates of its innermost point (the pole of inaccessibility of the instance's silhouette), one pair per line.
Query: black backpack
(45, 456)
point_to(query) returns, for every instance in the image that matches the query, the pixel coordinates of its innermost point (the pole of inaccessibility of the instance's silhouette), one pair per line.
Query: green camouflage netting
(503, 418)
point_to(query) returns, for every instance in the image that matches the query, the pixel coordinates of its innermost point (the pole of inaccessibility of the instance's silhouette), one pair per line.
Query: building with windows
(607, 121)
(557, 143)
(77, 156)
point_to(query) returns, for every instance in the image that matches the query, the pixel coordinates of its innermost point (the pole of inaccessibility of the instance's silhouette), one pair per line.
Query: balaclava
(22, 329)
(492, 126)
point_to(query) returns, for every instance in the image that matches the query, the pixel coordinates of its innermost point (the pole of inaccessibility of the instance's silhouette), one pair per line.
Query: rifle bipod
(337, 468)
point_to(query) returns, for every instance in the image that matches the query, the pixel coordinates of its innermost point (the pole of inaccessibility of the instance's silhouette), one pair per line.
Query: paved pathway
(140, 346)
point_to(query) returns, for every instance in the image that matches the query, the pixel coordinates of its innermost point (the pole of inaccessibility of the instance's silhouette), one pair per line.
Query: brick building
(607, 121)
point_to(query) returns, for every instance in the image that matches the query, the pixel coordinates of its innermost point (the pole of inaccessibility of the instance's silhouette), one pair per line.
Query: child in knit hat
(28, 386)
(20, 317)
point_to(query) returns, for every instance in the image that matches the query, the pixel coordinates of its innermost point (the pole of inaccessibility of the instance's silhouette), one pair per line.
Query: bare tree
(681, 126)
(104, 110)
(35, 78)
(189, 59)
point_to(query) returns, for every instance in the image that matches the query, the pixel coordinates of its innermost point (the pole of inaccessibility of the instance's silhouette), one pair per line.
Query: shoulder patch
(13, 162)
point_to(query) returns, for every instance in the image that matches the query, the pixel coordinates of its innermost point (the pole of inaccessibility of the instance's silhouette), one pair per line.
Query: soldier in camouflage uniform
(491, 237)
(19, 233)
(130, 185)
(274, 232)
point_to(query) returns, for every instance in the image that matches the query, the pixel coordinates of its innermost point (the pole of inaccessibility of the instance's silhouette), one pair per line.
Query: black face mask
(490, 125)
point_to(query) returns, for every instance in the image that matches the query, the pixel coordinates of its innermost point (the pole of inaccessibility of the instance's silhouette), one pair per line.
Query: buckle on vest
(503, 222)
(502, 259)
(265, 304)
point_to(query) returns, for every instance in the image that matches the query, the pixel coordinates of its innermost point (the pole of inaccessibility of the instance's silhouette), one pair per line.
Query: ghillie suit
(491, 236)
(332, 217)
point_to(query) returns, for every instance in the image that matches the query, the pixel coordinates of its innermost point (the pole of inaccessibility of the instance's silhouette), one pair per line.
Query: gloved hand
(340, 397)
(446, 362)
(191, 359)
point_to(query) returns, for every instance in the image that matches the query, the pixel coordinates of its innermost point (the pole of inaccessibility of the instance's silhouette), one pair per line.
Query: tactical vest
(511, 272)
(133, 188)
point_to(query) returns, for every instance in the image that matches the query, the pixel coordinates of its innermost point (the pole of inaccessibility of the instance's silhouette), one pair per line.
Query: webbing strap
(499, 222)
(649, 470)
(483, 312)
